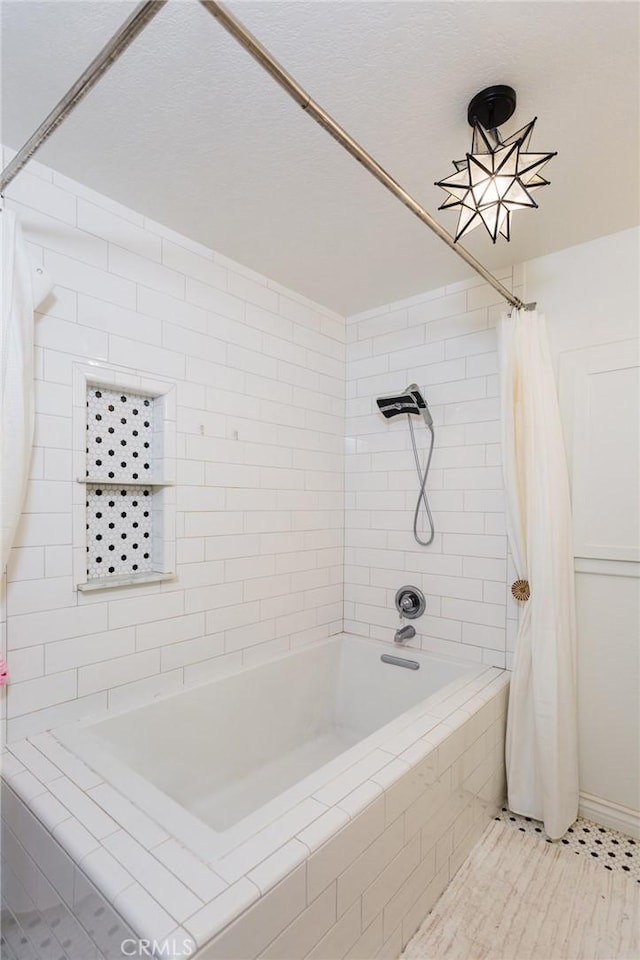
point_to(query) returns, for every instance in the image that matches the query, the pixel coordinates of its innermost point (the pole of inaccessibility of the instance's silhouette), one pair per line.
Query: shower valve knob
(410, 602)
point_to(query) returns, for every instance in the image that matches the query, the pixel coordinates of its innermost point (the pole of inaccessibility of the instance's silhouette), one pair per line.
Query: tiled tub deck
(352, 876)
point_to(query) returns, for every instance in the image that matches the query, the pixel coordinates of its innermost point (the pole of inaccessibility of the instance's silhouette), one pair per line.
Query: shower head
(410, 402)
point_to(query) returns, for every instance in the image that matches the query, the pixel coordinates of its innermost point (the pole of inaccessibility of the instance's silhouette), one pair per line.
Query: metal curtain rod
(118, 43)
(303, 99)
(138, 21)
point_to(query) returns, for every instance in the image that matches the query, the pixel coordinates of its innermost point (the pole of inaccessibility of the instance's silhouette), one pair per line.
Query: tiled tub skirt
(357, 882)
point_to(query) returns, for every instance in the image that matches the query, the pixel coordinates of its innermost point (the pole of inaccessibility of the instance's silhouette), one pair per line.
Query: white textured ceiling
(188, 130)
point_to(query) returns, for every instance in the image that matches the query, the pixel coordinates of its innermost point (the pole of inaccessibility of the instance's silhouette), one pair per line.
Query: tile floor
(611, 849)
(517, 897)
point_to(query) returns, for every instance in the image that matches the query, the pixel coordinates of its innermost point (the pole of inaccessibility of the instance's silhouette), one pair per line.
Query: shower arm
(130, 29)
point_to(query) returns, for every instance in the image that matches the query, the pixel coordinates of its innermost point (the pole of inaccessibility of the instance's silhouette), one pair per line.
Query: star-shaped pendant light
(499, 176)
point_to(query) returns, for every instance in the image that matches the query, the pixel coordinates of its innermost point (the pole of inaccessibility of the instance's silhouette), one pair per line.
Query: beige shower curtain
(24, 286)
(541, 746)
(16, 378)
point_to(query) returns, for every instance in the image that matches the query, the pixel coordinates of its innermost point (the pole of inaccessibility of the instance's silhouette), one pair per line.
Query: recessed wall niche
(124, 514)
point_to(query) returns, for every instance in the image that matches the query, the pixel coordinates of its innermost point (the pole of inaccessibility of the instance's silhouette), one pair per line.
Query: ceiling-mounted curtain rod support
(293, 88)
(118, 43)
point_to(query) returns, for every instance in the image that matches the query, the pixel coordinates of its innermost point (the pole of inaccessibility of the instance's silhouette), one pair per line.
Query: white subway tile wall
(445, 341)
(260, 461)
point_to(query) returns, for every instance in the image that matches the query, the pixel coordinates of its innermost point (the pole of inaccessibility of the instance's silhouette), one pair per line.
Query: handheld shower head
(414, 390)
(411, 402)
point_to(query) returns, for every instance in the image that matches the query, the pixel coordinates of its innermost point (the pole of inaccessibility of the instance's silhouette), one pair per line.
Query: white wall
(260, 388)
(445, 341)
(589, 294)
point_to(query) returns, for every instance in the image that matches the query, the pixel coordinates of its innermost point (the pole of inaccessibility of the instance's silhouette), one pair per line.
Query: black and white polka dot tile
(119, 531)
(609, 848)
(119, 435)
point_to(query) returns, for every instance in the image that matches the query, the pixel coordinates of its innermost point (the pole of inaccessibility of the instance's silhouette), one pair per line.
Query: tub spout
(404, 633)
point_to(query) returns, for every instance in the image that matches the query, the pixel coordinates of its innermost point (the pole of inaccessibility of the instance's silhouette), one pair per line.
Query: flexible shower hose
(422, 496)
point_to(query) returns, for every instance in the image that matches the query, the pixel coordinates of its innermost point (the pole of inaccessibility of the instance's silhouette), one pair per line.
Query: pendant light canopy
(499, 176)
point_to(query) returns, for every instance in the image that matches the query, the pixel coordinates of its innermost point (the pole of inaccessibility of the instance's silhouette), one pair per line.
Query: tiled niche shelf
(124, 510)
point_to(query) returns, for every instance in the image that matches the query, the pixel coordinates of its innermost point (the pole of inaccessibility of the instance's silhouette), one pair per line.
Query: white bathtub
(256, 774)
(234, 753)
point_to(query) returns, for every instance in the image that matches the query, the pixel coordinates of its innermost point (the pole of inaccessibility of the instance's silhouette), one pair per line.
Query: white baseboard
(610, 814)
